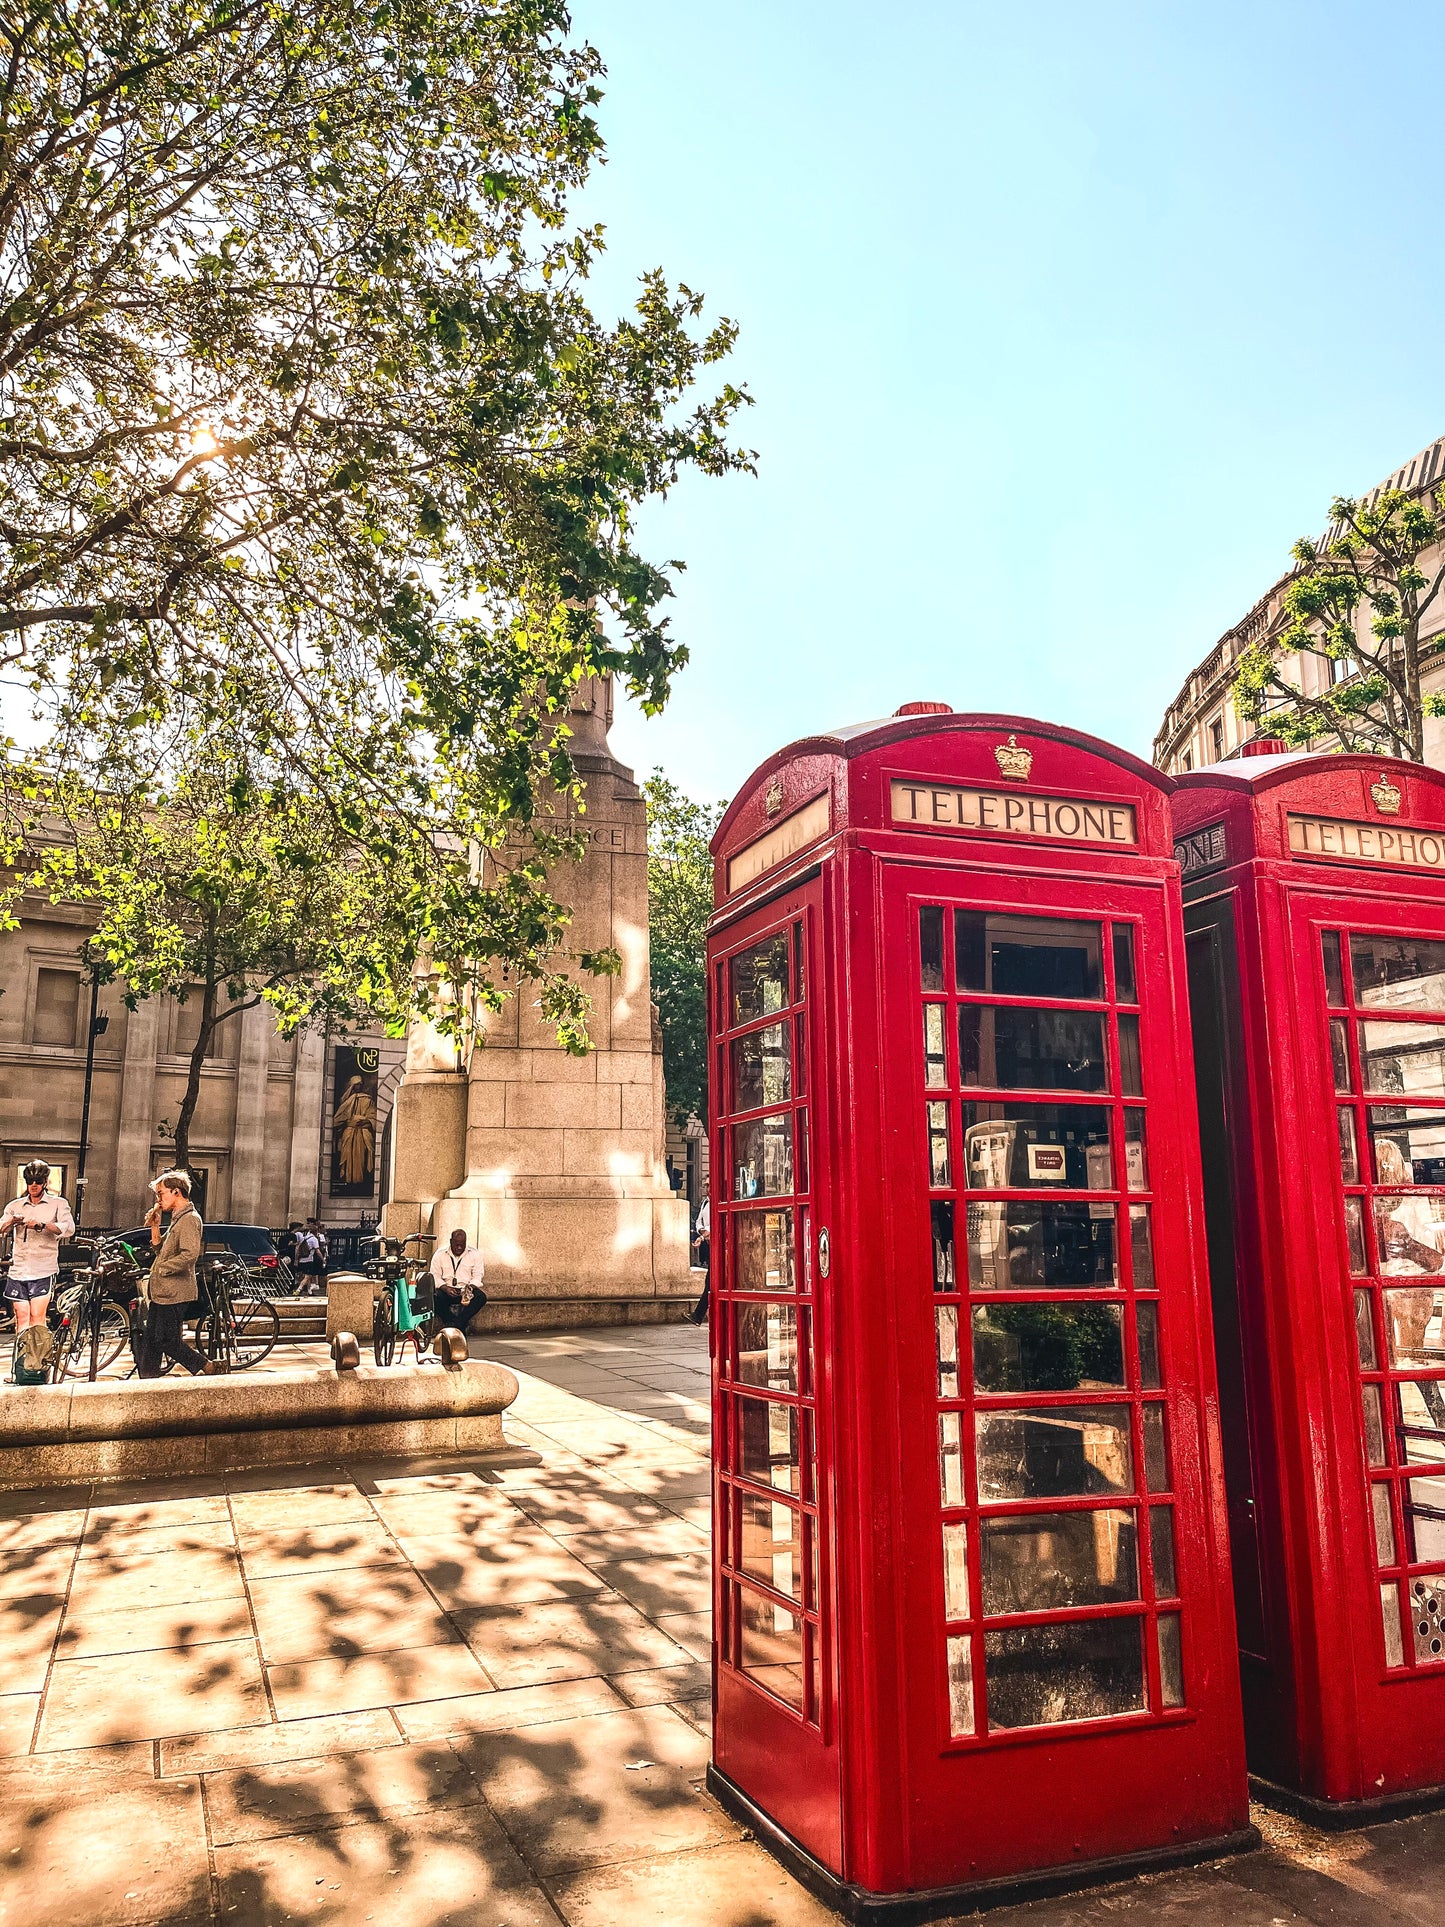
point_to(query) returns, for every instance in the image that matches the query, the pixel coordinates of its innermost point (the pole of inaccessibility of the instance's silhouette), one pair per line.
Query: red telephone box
(973, 1603)
(1314, 891)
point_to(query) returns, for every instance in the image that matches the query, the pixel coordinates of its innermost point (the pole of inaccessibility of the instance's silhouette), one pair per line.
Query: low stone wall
(124, 1429)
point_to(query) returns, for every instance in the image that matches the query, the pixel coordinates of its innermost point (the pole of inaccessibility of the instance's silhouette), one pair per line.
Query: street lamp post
(97, 1027)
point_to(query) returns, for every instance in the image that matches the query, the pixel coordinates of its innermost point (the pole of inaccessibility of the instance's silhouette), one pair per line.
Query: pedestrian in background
(702, 1250)
(172, 1283)
(40, 1222)
(311, 1254)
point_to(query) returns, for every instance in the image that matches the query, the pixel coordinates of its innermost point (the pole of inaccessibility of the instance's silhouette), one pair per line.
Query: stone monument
(552, 1164)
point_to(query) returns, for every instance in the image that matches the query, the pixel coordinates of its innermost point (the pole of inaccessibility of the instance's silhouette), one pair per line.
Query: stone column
(135, 1121)
(307, 1095)
(248, 1136)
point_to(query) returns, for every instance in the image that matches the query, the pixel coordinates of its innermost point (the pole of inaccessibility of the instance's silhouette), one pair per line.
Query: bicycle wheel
(114, 1336)
(256, 1328)
(383, 1329)
(213, 1340)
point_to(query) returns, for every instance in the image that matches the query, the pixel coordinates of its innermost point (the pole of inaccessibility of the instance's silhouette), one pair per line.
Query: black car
(252, 1243)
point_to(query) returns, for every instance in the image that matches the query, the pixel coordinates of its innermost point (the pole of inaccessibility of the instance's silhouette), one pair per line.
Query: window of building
(1216, 739)
(1341, 668)
(57, 1008)
(1188, 760)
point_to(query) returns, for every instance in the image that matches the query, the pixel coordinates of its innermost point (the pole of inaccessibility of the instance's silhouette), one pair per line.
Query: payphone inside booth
(1314, 892)
(973, 1619)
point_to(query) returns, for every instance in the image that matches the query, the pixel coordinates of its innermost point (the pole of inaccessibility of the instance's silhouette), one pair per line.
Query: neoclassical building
(1200, 725)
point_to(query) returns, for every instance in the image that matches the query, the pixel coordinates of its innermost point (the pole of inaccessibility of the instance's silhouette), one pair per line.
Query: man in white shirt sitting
(458, 1271)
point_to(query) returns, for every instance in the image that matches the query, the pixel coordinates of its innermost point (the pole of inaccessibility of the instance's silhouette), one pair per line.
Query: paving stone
(454, 1868)
(86, 1633)
(116, 1581)
(587, 1508)
(692, 1631)
(281, 1740)
(733, 1884)
(661, 1583)
(608, 1786)
(337, 1614)
(297, 1796)
(155, 1514)
(565, 1639)
(17, 1722)
(150, 1695)
(698, 1713)
(28, 1626)
(374, 1679)
(32, 1529)
(479, 1512)
(299, 1508)
(664, 1685)
(100, 1542)
(132, 1851)
(78, 1770)
(35, 1571)
(527, 1565)
(506, 1709)
(664, 1534)
(268, 1553)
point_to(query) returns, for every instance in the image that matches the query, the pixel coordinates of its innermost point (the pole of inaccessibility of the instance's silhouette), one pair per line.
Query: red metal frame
(873, 1778)
(1344, 1713)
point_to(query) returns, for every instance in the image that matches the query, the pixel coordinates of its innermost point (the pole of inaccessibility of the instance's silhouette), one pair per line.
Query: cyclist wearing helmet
(40, 1222)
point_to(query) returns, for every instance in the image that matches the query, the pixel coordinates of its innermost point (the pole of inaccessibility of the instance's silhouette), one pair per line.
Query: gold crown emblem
(1387, 797)
(773, 801)
(1013, 761)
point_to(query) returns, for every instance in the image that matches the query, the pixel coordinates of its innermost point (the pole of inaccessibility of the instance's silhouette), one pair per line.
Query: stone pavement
(459, 1692)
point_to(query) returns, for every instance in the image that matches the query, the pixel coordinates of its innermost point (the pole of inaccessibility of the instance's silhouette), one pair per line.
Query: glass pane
(1010, 1048)
(1083, 1670)
(1146, 1316)
(1141, 1243)
(800, 1059)
(1131, 1077)
(930, 938)
(1422, 1413)
(947, 1322)
(763, 1157)
(1124, 991)
(1171, 1660)
(935, 1066)
(1334, 975)
(940, 1167)
(1427, 1610)
(1025, 1146)
(1384, 1524)
(1045, 1561)
(1374, 1425)
(771, 1543)
(1424, 1519)
(1398, 973)
(1409, 1235)
(1048, 1348)
(1364, 1331)
(944, 1277)
(1412, 1326)
(1156, 1458)
(1409, 1145)
(1390, 1622)
(1136, 1152)
(1026, 956)
(1340, 1054)
(1054, 1452)
(760, 980)
(768, 1448)
(950, 1458)
(762, 1068)
(1161, 1542)
(1349, 1159)
(1355, 1236)
(955, 1571)
(1026, 1245)
(772, 1646)
(960, 1685)
(767, 1346)
(797, 963)
(764, 1251)
(1407, 1060)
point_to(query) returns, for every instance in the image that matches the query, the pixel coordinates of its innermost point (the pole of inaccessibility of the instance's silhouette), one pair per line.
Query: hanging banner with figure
(353, 1122)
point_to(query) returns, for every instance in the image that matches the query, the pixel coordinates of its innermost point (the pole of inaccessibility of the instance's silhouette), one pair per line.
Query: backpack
(34, 1349)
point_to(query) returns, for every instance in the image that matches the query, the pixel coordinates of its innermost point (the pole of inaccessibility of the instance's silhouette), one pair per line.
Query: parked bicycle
(404, 1310)
(90, 1315)
(238, 1326)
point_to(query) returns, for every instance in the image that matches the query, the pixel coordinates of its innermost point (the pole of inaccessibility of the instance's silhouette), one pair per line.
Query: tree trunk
(192, 1097)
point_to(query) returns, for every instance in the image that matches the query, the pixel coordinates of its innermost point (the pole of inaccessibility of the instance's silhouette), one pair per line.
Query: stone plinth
(554, 1165)
(349, 1301)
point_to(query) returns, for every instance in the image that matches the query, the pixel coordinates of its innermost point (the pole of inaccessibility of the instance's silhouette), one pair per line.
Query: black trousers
(162, 1339)
(451, 1311)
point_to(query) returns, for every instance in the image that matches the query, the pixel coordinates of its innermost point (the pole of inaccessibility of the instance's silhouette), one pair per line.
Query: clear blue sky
(1063, 323)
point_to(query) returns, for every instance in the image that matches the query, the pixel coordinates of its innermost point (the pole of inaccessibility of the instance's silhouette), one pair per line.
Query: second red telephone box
(1314, 891)
(972, 1593)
